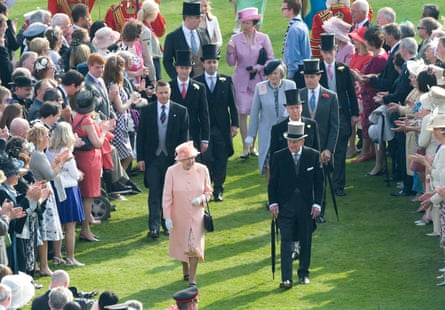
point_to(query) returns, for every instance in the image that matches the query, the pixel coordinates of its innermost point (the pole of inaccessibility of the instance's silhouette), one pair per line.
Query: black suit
(348, 107)
(223, 115)
(41, 302)
(156, 164)
(197, 108)
(386, 78)
(175, 41)
(295, 195)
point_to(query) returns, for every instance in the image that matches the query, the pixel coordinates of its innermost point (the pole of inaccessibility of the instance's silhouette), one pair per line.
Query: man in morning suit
(163, 125)
(188, 36)
(295, 193)
(337, 77)
(192, 95)
(322, 106)
(223, 118)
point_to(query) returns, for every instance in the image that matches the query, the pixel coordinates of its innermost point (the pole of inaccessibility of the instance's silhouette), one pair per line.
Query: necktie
(193, 43)
(163, 116)
(295, 157)
(312, 101)
(212, 83)
(183, 91)
(330, 73)
(291, 22)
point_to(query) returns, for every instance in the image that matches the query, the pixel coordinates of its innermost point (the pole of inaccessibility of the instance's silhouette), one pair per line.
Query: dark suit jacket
(222, 109)
(384, 80)
(326, 116)
(41, 302)
(147, 136)
(400, 89)
(278, 141)
(104, 106)
(347, 99)
(175, 41)
(197, 108)
(284, 182)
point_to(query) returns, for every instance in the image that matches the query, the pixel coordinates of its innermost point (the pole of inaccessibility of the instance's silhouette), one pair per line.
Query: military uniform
(66, 6)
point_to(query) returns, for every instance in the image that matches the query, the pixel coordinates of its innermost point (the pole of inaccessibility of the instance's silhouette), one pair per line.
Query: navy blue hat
(272, 65)
(186, 295)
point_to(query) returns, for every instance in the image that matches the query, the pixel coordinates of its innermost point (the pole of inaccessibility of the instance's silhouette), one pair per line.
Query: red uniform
(66, 6)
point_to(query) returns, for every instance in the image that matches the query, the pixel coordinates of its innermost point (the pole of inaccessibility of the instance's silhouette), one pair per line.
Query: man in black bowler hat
(338, 78)
(223, 118)
(321, 106)
(295, 193)
(187, 37)
(192, 95)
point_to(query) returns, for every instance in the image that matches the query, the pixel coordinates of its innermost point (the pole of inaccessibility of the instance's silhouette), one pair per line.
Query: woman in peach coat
(186, 190)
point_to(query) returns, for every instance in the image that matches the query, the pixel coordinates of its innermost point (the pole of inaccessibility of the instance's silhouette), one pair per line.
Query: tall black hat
(293, 97)
(327, 41)
(311, 66)
(183, 58)
(191, 9)
(209, 51)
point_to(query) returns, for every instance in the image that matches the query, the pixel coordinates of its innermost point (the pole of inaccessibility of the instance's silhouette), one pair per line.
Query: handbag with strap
(87, 146)
(208, 219)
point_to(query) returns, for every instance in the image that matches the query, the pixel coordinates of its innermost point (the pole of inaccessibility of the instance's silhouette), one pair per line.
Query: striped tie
(163, 114)
(291, 22)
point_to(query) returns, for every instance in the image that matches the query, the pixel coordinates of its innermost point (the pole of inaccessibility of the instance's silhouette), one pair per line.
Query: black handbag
(87, 143)
(208, 219)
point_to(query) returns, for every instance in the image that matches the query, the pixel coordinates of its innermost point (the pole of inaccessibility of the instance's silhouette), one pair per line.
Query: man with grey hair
(60, 278)
(58, 297)
(385, 15)
(19, 127)
(63, 21)
(27, 60)
(5, 296)
(359, 14)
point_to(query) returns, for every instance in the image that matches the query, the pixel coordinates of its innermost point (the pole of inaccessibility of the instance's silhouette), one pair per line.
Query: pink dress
(180, 188)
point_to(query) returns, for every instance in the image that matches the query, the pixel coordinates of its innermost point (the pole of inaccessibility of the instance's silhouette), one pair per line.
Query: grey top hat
(183, 58)
(327, 41)
(293, 97)
(209, 51)
(191, 9)
(295, 131)
(311, 66)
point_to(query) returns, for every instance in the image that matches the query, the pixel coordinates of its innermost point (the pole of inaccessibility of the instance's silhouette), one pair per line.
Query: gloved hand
(249, 141)
(169, 224)
(198, 200)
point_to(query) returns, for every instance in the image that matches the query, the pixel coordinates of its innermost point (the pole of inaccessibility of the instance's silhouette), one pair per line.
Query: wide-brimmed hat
(436, 121)
(293, 97)
(437, 71)
(105, 37)
(209, 51)
(358, 34)
(338, 27)
(295, 131)
(271, 66)
(415, 66)
(191, 9)
(21, 287)
(22, 81)
(86, 102)
(248, 14)
(13, 166)
(186, 150)
(183, 58)
(327, 41)
(311, 66)
(35, 30)
(434, 99)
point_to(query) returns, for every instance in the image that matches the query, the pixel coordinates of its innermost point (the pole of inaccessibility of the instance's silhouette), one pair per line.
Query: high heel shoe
(244, 156)
(380, 172)
(83, 238)
(94, 222)
(58, 261)
(73, 263)
(45, 273)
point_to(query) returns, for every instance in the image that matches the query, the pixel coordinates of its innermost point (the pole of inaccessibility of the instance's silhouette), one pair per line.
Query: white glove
(169, 224)
(248, 140)
(198, 200)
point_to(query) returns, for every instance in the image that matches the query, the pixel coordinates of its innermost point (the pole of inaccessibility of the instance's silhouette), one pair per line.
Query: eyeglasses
(284, 9)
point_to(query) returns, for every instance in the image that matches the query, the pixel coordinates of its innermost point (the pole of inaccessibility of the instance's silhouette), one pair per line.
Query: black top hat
(272, 65)
(22, 81)
(86, 102)
(293, 97)
(311, 66)
(191, 9)
(186, 295)
(295, 131)
(183, 58)
(209, 51)
(327, 41)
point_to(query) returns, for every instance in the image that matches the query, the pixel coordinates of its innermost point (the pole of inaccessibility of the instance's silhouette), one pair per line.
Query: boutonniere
(222, 79)
(196, 86)
(325, 95)
(341, 68)
(308, 126)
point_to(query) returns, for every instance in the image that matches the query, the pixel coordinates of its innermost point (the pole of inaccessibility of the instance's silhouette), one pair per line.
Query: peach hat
(185, 150)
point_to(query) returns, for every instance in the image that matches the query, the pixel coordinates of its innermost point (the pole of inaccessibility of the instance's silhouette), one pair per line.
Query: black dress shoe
(304, 280)
(119, 188)
(403, 193)
(244, 156)
(154, 234)
(165, 232)
(286, 284)
(339, 192)
(320, 220)
(134, 188)
(218, 197)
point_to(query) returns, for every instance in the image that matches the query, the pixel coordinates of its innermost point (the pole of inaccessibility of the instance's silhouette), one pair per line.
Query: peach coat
(180, 188)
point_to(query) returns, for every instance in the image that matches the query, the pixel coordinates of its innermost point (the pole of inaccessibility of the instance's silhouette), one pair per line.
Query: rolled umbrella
(328, 177)
(273, 249)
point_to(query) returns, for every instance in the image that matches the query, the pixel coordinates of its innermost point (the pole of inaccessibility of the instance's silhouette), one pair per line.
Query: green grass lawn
(373, 258)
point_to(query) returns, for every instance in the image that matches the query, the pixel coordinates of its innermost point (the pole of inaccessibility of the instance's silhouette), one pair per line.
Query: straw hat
(338, 27)
(186, 150)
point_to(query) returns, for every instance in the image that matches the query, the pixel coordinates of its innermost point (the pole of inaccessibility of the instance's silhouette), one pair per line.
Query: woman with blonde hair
(69, 201)
(40, 46)
(209, 22)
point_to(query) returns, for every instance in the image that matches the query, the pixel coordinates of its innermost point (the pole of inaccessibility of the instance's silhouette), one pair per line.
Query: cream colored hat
(338, 27)
(434, 100)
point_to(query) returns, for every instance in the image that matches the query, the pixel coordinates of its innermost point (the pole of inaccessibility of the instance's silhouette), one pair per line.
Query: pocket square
(310, 168)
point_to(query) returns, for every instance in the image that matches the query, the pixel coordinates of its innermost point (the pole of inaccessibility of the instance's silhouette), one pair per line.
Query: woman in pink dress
(243, 50)
(186, 190)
